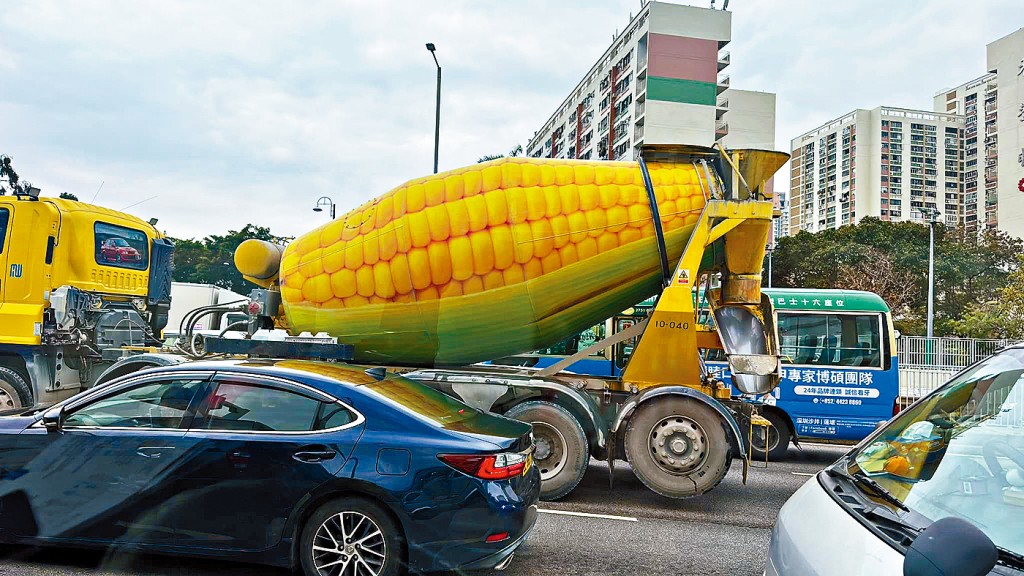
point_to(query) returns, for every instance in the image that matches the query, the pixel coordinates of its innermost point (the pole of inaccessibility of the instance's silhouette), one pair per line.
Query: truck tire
(14, 390)
(562, 452)
(777, 441)
(677, 446)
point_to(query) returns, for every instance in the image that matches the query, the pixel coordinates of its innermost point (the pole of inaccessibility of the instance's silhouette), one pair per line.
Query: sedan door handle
(153, 451)
(314, 454)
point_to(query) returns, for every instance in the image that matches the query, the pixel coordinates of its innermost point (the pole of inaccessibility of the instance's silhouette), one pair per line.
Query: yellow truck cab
(79, 284)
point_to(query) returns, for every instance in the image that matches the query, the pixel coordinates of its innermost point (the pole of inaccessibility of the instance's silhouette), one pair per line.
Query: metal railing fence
(927, 363)
(945, 353)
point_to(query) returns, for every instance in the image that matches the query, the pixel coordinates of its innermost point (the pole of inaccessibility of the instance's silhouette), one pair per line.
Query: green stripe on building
(682, 91)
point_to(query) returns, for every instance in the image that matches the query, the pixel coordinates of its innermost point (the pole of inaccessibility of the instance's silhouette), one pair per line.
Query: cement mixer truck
(515, 254)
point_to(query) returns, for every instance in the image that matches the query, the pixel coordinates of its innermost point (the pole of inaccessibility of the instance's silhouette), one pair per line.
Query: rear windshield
(432, 405)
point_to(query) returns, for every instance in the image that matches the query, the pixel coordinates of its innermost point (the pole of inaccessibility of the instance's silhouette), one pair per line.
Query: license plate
(529, 464)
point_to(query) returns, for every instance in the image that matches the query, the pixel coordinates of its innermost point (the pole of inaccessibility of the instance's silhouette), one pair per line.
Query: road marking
(588, 515)
(803, 473)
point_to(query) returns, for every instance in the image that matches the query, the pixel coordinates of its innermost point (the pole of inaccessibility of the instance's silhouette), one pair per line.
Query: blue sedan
(337, 469)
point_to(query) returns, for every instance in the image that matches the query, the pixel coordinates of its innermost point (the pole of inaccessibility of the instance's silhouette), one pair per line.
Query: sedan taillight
(487, 466)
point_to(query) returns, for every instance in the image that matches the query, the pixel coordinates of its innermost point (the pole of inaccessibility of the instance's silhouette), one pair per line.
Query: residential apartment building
(993, 145)
(976, 102)
(780, 225)
(1006, 60)
(890, 163)
(661, 82)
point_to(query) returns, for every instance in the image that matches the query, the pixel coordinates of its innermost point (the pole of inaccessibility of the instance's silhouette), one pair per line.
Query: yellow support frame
(665, 353)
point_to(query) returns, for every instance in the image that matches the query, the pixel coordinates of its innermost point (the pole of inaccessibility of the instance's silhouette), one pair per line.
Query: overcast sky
(234, 112)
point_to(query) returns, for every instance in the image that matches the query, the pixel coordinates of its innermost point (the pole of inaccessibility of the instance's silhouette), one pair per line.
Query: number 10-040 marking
(672, 325)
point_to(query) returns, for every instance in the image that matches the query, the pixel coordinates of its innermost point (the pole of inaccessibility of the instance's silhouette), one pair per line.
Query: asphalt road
(723, 532)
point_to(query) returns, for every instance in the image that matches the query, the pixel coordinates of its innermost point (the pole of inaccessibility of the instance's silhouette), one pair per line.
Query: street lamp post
(322, 202)
(437, 113)
(931, 215)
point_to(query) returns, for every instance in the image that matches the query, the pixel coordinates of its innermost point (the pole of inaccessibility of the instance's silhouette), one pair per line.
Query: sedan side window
(334, 416)
(160, 404)
(248, 407)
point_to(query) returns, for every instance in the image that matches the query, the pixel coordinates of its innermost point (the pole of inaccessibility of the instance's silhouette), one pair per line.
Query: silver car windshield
(960, 451)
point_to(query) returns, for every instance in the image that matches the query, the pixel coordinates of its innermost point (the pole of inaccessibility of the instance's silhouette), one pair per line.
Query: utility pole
(931, 215)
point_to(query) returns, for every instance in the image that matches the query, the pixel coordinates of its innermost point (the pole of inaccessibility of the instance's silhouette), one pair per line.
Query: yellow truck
(512, 255)
(79, 285)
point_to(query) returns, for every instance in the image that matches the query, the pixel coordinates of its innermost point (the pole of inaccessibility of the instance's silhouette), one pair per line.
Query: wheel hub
(678, 445)
(543, 449)
(6, 400)
(549, 453)
(765, 438)
(349, 543)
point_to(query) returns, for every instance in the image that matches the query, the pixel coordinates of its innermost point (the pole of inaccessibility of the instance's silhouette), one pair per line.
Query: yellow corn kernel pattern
(481, 228)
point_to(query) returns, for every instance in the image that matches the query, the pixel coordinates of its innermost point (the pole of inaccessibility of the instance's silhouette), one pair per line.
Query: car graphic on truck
(118, 250)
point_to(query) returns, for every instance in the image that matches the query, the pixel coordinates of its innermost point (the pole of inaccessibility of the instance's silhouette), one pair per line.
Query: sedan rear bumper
(503, 556)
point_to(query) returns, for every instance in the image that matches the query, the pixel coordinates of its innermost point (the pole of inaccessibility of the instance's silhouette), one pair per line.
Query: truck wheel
(777, 440)
(562, 452)
(14, 391)
(677, 447)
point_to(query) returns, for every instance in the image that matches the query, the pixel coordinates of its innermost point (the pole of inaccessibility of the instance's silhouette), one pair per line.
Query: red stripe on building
(682, 58)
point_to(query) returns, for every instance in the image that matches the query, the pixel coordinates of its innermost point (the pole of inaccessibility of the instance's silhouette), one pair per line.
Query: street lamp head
(322, 202)
(431, 47)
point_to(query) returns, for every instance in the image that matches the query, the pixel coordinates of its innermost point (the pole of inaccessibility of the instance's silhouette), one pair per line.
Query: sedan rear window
(423, 400)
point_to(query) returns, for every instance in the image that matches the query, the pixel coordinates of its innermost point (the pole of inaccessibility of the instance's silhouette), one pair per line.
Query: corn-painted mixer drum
(482, 262)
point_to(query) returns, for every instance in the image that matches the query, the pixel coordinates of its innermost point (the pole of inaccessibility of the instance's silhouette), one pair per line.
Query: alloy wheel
(349, 544)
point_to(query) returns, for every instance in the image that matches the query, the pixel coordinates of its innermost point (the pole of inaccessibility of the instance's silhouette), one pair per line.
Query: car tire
(687, 431)
(778, 438)
(14, 390)
(562, 453)
(328, 527)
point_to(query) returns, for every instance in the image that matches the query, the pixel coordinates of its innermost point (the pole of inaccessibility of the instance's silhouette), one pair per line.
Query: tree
(513, 153)
(211, 260)
(876, 272)
(999, 317)
(891, 259)
(13, 181)
(68, 196)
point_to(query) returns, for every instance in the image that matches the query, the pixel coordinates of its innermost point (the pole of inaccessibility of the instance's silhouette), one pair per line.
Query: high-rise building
(1006, 60)
(659, 82)
(993, 139)
(976, 102)
(887, 162)
(780, 225)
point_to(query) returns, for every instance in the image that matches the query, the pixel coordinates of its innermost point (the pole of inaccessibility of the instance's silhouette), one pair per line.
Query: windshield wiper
(882, 493)
(861, 479)
(1010, 558)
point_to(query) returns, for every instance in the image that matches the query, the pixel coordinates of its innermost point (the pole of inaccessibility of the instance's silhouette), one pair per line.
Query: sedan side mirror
(53, 418)
(950, 546)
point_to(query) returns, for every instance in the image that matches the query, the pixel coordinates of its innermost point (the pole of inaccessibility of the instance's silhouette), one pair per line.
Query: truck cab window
(5, 215)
